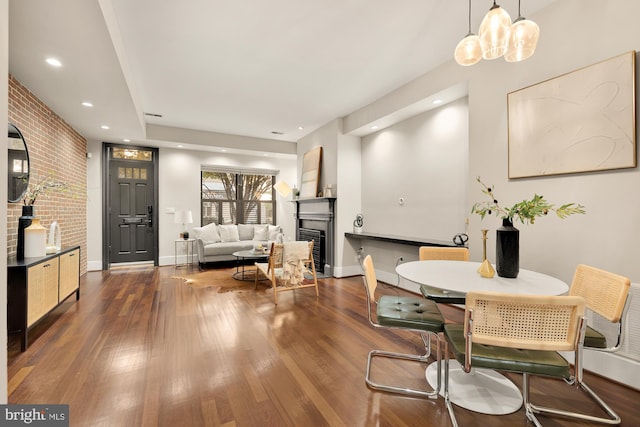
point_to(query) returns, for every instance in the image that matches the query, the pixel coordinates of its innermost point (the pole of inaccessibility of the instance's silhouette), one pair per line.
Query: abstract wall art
(581, 121)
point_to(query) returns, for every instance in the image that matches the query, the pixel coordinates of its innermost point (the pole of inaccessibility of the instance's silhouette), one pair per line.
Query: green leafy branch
(525, 211)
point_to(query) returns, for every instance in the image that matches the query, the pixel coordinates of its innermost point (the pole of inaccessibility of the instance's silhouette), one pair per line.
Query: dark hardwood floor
(141, 348)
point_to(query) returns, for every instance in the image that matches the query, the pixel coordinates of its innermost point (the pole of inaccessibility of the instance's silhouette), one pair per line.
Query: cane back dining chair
(606, 294)
(516, 333)
(407, 313)
(442, 253)
(288, 267)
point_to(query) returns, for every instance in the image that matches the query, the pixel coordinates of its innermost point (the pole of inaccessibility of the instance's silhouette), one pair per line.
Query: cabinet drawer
(42, 289)
(69, 273)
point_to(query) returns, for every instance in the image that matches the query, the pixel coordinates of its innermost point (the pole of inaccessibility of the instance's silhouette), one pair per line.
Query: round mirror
(18, 167)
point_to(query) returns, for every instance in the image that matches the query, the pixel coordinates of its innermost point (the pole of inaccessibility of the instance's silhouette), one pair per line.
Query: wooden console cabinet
(35, 286)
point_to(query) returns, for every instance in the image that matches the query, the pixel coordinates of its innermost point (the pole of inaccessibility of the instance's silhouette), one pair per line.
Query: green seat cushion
(594, 339)
(535, 362)
(409, 312)
(442, 295)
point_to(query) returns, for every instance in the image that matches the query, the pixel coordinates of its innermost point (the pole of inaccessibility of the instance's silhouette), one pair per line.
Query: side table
(188, 245)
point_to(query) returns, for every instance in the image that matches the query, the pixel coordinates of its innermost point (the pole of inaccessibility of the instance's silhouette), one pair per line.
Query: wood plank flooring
(141, 348)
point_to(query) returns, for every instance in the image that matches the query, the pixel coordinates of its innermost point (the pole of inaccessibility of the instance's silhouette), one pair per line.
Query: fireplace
(318, 238)
(315, 221)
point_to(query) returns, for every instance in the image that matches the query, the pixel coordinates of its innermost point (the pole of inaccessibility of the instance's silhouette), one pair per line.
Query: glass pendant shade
(523, 40)
(468, 51)
(495, 31)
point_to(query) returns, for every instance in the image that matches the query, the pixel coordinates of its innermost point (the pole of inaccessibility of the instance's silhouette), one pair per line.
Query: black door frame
(106, 229)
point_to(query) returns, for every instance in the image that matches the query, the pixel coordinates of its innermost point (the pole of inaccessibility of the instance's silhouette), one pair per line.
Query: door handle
(150, 211)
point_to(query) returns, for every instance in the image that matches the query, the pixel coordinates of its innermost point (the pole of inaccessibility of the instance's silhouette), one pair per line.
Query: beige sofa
(218, 242)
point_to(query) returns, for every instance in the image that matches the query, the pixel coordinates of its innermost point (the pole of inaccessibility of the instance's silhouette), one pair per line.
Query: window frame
(238, 213)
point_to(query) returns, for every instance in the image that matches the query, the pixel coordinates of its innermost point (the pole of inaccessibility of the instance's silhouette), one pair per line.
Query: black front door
(131, 210)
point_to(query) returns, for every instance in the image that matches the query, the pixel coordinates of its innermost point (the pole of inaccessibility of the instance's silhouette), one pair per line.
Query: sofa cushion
(261, 232)
(208, 233)
(245, 231)
(274, 230)
(227, 248)
(229, 233)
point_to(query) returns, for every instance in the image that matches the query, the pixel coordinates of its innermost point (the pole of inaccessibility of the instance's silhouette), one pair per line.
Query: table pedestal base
(481, 390)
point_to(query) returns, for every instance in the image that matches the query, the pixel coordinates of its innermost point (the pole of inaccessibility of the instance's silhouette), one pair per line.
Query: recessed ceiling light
(54, 62)
(180, 146)
(374, 127)
(437, 101)
(87, 104)
(126, 140)
(223, 150)
(104, 127)
(300, 127)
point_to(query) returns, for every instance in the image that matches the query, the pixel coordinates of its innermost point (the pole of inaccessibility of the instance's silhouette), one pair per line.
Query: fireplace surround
(315, 220)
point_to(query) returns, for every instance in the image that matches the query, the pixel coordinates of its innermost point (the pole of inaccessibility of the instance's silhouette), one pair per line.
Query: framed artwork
(311, 163)
(581, 121)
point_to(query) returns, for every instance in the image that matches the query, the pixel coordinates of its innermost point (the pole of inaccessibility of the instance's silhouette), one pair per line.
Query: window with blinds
(237, 197)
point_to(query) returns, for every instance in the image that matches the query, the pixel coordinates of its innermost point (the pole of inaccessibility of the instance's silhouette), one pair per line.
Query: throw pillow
(261, 232)
(245, 231)
(274, 230)
(208, 233)
(229, 233)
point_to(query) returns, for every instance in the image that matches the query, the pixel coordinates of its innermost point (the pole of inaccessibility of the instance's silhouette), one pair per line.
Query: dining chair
(442, 253)
(605, 294)
(288, 267)
(407, 313)
(516, 333)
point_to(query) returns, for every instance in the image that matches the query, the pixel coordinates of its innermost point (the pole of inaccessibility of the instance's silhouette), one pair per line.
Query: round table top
(249, 253)
(463, 276)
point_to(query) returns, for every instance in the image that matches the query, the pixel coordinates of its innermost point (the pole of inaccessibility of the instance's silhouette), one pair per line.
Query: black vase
(507, 250)
(23, 222)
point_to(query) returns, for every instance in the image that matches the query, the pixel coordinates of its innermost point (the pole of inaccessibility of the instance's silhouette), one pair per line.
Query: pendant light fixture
(523, 39)
(498, 37)
(494, 33)
(468, 51)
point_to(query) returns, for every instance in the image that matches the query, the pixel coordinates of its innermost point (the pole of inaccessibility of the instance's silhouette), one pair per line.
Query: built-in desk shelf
(400, 240)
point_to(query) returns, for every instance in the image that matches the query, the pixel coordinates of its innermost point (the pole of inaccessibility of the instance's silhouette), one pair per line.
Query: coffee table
(242, 274)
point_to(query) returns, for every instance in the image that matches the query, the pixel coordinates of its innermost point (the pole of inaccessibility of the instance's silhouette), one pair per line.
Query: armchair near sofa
(219, 242)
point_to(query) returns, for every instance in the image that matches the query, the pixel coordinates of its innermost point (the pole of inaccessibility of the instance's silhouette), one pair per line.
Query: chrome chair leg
(433, 394)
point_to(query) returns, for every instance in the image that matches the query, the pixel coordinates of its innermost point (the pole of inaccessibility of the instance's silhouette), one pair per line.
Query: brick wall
(56, 149)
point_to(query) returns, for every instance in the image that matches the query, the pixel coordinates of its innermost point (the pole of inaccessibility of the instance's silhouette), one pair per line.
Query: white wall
(348, 203)
(327, 138)
(94, 205)
(422, 160)
(179, 188)
(4, 113)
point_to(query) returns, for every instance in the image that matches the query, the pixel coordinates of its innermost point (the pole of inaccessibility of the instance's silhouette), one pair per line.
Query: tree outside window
(235, 198)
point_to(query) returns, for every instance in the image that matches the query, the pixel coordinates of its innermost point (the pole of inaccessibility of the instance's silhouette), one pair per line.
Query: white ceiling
(240, 67)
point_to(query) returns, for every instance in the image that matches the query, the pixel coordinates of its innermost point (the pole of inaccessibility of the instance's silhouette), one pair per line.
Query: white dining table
(482, 390)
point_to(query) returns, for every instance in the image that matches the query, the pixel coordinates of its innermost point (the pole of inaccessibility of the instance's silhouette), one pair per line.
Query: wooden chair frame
(443, 296)
(273, 270)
